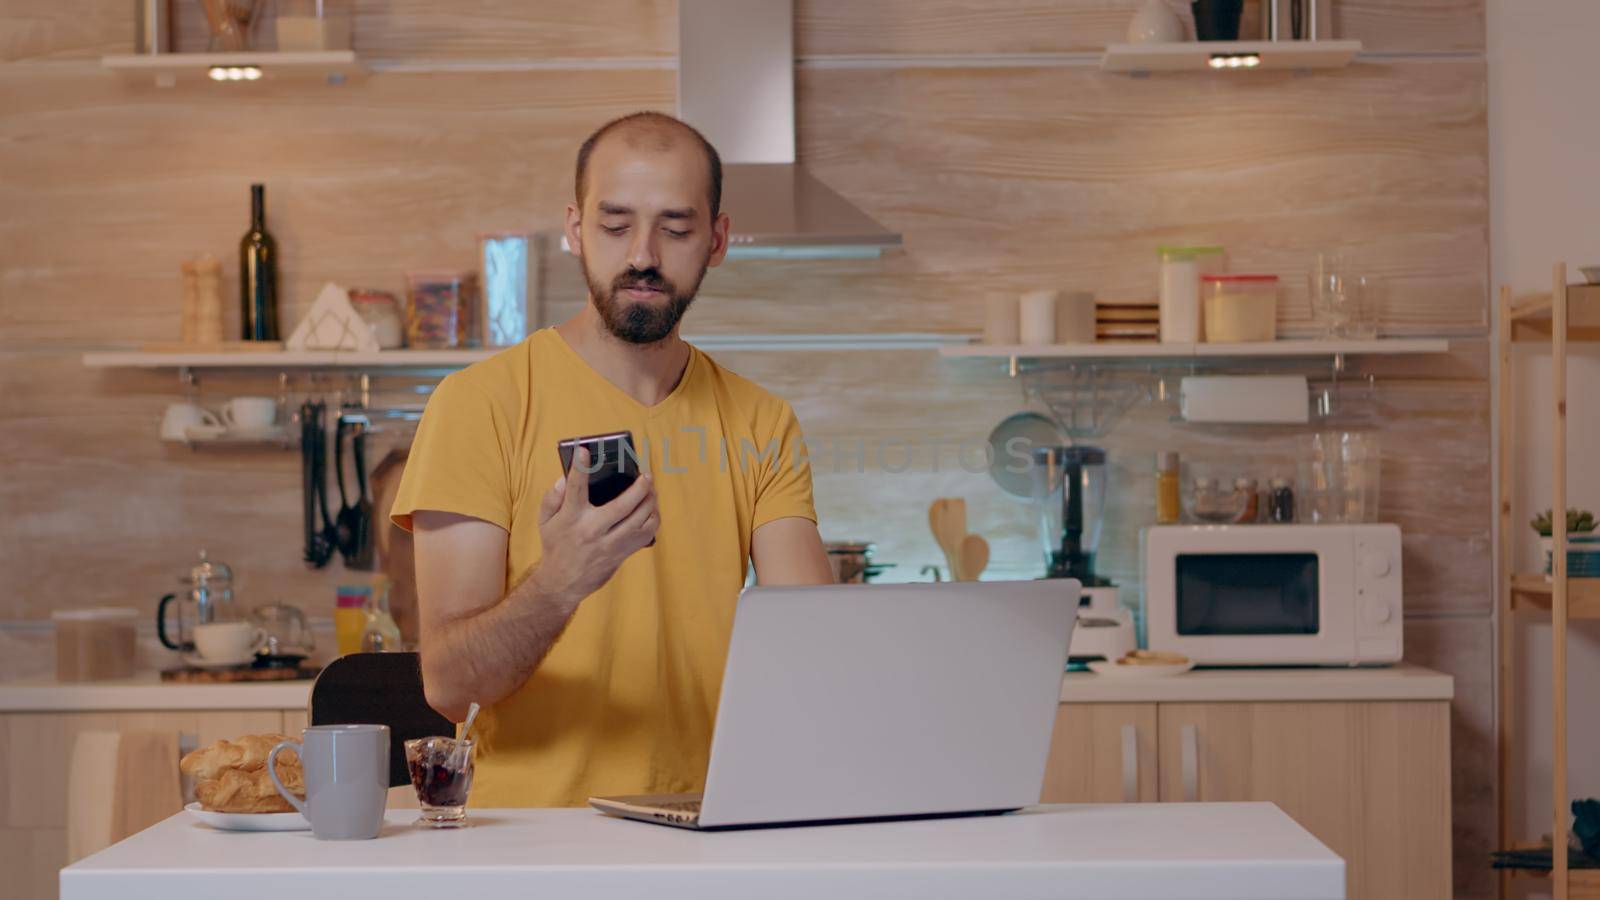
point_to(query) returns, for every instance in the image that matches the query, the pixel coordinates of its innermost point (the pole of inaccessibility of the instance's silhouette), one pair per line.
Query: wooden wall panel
(363, 183)
(382, 29)
(509, 29)
(1007, 179)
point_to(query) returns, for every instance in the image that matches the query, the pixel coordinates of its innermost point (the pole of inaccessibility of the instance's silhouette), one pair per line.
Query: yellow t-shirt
(625, 700)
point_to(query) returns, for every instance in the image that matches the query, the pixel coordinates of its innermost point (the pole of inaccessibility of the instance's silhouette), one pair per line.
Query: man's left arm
(785, 545)
(789, 551)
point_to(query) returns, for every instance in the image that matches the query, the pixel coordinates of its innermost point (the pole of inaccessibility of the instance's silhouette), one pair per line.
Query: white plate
(194, 659)
(289, 821)
(1112, 670)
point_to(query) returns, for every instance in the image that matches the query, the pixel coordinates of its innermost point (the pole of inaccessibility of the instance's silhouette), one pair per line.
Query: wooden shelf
(172, 69)
(1531, 314)
(1196, 56)
(1257, 349)
(1530, 590)
(455, 359)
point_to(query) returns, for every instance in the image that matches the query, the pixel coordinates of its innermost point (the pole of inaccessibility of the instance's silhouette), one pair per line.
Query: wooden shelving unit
(1568, 313)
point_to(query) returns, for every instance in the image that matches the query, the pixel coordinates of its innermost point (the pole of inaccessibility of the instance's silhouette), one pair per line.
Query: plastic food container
(434, 317)
(94, 644)
(1240, 308)
(382, 314)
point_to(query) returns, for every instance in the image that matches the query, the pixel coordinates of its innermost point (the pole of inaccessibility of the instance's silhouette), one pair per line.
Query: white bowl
(1591, 274)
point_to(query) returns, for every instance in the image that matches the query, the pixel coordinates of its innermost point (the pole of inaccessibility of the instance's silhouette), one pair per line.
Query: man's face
(645, 235)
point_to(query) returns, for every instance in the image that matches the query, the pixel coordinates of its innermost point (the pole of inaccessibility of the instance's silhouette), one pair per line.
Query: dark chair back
(379, 689)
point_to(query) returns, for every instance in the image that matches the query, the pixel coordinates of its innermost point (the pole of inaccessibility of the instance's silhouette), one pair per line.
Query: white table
(1144, 851)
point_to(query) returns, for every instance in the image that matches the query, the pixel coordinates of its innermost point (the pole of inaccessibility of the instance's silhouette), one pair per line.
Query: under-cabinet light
(235, 73)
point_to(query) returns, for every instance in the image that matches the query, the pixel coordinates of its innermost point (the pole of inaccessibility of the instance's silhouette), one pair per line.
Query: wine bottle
(258, 274)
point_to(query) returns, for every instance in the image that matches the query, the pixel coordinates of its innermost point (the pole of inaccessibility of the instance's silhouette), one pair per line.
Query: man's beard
(640, 323)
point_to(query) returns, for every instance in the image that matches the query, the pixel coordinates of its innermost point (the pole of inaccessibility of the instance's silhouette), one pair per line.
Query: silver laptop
(854, 702)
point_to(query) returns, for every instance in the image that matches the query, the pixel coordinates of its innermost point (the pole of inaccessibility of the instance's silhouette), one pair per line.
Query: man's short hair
(643, 126)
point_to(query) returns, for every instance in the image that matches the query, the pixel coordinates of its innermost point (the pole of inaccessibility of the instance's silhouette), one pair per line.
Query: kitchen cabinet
(35, 752)
(1102, 753)
(1369, 778)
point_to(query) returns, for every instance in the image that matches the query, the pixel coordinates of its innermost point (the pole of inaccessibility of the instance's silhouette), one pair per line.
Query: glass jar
(433, 310)
(1212, 504)
(1280, 501)
(1246, 500)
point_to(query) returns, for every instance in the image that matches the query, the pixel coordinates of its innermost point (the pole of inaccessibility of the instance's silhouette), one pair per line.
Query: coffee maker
(207, 597)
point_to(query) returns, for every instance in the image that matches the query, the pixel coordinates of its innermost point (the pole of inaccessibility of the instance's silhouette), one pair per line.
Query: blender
(1069, 493)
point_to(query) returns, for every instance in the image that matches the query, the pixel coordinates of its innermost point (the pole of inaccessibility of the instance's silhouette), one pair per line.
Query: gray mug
(347, 779)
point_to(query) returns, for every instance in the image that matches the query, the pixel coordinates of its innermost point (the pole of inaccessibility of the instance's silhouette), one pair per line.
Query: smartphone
(613, 464)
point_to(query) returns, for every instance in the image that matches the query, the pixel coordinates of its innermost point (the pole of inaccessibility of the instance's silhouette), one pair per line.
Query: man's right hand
(583, 545)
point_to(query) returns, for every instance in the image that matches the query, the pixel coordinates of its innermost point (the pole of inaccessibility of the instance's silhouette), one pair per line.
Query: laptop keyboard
(687, 806)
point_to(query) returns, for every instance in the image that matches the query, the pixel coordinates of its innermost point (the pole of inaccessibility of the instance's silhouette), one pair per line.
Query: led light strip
(235, 73)
(1235, 60)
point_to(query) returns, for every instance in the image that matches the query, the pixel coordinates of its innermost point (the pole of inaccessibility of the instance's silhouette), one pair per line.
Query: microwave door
(1257, 608)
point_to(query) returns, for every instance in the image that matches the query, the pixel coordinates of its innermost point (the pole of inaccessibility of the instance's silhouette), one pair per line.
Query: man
(598, 655)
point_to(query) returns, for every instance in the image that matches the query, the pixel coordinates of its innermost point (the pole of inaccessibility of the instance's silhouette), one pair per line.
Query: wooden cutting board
(192, 675)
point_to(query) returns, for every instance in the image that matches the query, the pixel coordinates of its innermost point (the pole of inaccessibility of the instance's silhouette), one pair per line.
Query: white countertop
(1181, 851)
(1402, 682)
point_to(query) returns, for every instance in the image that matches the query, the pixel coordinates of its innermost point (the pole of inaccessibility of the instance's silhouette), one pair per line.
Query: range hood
(736, 85)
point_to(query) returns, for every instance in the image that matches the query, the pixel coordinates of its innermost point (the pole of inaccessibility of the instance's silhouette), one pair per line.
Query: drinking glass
(442, 775)
(1339, 477)
(1343, 299)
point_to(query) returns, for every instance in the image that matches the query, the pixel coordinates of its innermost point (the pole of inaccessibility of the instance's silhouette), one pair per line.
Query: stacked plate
(1136, 321)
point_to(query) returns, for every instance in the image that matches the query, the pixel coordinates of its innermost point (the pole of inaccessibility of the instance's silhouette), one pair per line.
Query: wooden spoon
(974, 556)
(947, 517)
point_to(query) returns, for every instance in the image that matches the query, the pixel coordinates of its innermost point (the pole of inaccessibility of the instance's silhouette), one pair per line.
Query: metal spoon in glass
(458, 756)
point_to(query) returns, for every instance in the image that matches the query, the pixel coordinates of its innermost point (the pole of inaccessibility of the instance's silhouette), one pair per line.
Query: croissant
(248, 753)
(231, 776)
(237, 791)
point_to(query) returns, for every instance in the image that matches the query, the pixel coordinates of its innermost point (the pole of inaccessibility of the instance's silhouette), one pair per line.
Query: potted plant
(1579, 521)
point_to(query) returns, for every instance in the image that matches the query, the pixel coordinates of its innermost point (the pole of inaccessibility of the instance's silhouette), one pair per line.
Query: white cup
(226, 640)
(250, 413)
(180, 417)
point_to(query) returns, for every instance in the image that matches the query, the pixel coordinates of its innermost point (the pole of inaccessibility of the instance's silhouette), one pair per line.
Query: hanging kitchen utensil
(346, 521)
(362, 557)
(308, 484)
(325, 540)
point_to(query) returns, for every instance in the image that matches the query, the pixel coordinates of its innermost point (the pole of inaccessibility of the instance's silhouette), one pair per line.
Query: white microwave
(1269, 595)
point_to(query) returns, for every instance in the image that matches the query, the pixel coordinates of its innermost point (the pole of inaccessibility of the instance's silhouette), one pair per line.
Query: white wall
(1544, 165)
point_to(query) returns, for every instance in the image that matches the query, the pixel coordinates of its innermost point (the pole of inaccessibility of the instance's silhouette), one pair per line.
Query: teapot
(207, 597)
(288, 637)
